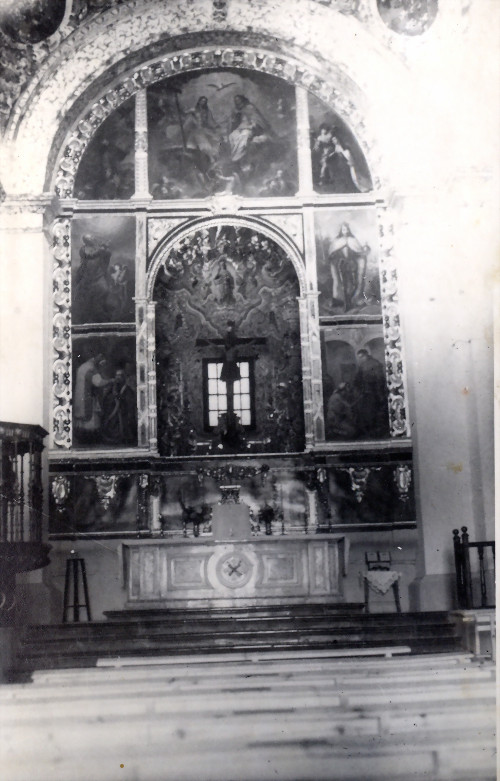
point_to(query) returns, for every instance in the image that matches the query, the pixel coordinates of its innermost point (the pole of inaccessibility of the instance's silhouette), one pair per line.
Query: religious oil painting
(408, 17)
(107, 168)
(347, 263)
(104, 391)
(222, 131)
(354, 383)
(338, 163)
(228, 345)
(103, 269)
(31, 21)
(93, 504)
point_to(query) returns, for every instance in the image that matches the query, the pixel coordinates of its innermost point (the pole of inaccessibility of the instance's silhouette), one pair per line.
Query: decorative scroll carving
(359, 479)
(402, 477)
(260, 60)
(83, 10)
(159, 228)
(219, 10)
(291, 224)
(230, 472)
(61, 330)
(230, 494)
(398, 414)
(60, 487)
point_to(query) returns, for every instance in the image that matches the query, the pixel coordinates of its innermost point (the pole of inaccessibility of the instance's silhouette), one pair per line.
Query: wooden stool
(75, 566)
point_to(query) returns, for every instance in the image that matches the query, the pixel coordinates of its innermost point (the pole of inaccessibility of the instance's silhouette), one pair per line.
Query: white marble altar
(264, 570)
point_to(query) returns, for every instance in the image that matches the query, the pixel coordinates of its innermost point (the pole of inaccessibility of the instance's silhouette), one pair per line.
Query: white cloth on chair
(381, 580)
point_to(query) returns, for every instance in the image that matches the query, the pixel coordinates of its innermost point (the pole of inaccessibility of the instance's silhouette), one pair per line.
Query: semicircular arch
(257, 224)
(61, 177)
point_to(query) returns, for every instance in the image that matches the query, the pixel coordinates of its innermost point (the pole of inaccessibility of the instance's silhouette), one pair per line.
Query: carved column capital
(25, 212)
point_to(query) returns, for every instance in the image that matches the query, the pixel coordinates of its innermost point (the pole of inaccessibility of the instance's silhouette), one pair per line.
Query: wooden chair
(380, 577)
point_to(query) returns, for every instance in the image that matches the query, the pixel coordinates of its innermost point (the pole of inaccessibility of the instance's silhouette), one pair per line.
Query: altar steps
(170, 633)
(260, 716)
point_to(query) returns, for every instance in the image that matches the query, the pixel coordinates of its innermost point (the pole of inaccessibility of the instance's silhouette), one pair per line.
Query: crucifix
(230, 371)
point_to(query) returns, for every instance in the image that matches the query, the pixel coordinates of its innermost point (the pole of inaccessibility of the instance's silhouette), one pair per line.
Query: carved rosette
(61, 334)
(288, 69)
(397, 396)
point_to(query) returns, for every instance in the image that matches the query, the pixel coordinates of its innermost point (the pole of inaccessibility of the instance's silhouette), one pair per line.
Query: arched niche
(227, 330)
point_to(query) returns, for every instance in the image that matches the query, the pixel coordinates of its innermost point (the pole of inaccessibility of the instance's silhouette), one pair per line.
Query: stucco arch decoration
(346, 57)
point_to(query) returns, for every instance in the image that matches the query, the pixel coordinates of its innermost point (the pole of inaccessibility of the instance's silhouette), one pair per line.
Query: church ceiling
(32, 31)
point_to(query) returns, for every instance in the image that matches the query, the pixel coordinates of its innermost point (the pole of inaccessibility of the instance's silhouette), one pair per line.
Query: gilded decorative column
(151, 377)
(304, 142)
(399, 421)
(314, 411)
(141, 147)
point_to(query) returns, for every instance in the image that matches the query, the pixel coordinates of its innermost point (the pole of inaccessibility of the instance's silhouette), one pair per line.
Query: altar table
(201, 572)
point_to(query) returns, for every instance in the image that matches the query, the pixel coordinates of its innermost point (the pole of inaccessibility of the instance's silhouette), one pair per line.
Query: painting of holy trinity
(107, 167)
(104, 391)
(338, 163)
(347, 262)
(103, 269)
(222, 131)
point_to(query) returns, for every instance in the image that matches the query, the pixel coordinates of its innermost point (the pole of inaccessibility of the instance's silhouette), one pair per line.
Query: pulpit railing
(21, 509)
(21, 448)
(462, 547)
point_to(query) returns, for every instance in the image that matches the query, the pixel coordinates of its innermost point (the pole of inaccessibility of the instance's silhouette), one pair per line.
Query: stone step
(178, 756)
(477, 682)
(254, 716)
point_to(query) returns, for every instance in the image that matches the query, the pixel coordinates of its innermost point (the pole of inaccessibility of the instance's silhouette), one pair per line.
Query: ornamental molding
(27, 204)
(61, 430)
(160, 227)
(399, 419)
